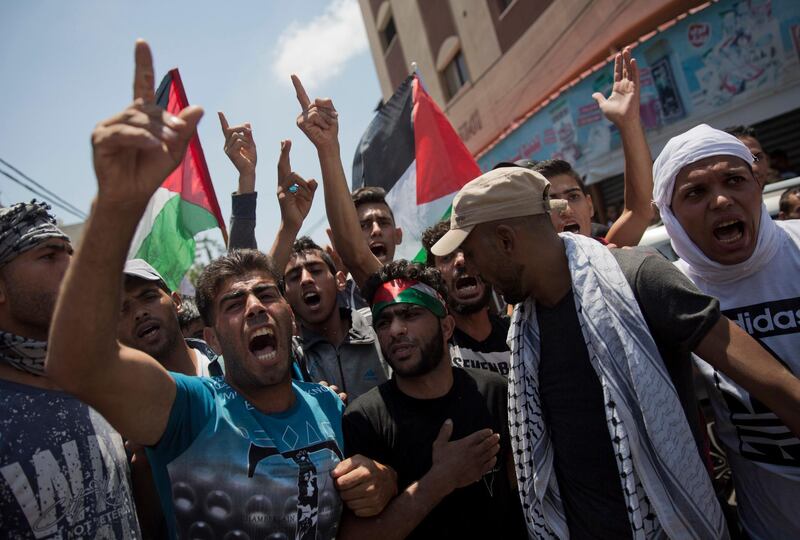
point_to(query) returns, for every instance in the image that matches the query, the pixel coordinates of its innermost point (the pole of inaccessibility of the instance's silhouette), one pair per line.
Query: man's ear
(505, 237)
(591, 204)
(177, 300)
(210, 337)
(448, 326)
(341, 280)
(398, 236)
(781, 217)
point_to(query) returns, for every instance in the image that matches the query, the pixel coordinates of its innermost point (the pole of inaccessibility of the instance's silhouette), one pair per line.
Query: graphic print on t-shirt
(763, 437)
(250, 475)
(63, 471)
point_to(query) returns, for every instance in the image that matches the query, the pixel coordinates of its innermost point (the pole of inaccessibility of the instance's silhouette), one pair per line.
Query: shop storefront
(730, 62)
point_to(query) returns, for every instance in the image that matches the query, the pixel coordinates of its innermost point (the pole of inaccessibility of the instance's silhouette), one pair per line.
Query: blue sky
(67, 65)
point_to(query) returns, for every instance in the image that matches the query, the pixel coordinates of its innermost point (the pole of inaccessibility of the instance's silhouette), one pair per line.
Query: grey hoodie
(356, 366)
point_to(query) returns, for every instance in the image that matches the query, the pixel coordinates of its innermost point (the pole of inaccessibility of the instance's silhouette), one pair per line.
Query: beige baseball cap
(503, 193)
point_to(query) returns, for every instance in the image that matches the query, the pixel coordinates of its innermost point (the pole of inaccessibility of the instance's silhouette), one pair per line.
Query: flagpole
(416, 73)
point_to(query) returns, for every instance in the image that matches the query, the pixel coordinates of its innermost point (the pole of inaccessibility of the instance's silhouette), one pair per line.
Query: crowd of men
(322, 392)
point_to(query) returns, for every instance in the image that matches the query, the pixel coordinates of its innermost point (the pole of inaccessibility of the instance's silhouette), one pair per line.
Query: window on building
(388, 33)
(455, 75)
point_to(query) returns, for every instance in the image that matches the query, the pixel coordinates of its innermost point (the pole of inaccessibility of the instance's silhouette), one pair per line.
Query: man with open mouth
(709, 193)
(339, 345)
(479, 338)
(149, 322)
(245, 456)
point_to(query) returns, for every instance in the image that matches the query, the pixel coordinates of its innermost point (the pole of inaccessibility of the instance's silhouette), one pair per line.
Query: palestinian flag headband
(407, 291)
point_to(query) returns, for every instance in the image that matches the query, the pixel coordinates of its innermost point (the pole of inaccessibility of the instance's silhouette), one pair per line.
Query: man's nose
(720, 199)
(375, 229)
(254, 306)
(460, 261)
(306, 277)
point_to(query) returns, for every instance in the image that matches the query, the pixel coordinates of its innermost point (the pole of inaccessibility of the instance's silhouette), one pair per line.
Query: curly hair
(430, 236)
(235, 263)
(403, 269)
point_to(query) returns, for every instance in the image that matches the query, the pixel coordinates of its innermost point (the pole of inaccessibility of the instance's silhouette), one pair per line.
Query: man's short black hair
(550, 168)
(403, 269)
(370, 194)
(784, 204)
(432, 235)
(236, 263)
(741, 131)
(305, 245)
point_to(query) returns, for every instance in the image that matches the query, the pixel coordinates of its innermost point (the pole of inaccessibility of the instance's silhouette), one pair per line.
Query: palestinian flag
(411, 150)
(183, 206)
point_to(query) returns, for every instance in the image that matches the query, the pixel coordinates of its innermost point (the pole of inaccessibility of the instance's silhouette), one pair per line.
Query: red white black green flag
(183, 206)
(411, 150)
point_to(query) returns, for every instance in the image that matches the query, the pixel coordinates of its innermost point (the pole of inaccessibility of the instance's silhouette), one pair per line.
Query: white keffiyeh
(667, 488)
(698, 143)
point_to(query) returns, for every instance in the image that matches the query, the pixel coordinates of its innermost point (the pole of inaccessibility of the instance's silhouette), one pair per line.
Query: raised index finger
(223, 122)
(143, 77)
(284, 167)
(302, 96)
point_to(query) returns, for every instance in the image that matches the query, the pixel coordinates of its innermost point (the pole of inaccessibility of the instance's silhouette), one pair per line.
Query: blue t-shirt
(224, 469)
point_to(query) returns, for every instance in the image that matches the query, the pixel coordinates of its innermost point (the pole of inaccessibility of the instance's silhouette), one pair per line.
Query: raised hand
(622, 106)
(241, 150)
(463, 462)
(318, 119)
(136, 150)
(295, 194)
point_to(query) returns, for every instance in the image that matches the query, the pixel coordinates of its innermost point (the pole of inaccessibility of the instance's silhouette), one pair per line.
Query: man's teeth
(729, 231)
(266, 356)
(262, 332)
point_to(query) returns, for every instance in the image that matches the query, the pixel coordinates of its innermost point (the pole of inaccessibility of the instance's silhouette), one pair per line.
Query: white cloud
(319, 49)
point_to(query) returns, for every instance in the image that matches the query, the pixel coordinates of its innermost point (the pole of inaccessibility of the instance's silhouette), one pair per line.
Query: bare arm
(455, 464)
(295, 197)
(729, 349)
(133, 153)
(319, 121)
(622, 109)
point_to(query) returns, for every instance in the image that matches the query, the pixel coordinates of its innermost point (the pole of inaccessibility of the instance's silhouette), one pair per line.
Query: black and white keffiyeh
(23, 226)
(667, 489)
(22, 353)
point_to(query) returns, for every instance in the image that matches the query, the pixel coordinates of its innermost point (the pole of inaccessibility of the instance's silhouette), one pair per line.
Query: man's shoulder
(630, 259)
(372, 400)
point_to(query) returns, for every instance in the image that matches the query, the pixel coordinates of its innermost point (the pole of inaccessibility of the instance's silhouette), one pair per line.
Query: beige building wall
(562, 42)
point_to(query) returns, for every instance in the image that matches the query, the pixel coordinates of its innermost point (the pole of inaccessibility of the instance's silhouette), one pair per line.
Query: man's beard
(431, 354)
(473, 306)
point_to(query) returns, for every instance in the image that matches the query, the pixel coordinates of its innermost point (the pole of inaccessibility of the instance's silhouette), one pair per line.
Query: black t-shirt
(678, 317)
(491, 354)
(386, 425)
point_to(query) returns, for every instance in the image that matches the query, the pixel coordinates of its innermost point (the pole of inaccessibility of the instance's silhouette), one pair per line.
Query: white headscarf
(698, 143)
